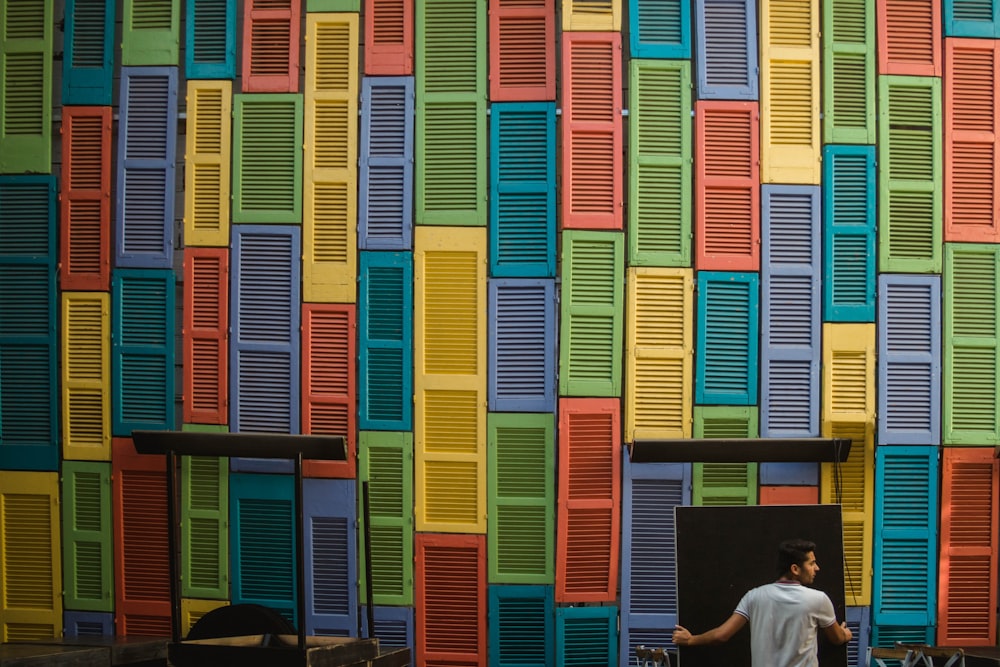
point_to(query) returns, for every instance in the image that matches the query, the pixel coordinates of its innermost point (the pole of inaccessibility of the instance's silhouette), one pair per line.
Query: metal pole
(300, 560)
(366, 514)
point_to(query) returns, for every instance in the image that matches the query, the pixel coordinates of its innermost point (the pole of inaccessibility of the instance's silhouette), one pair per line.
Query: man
(784, 615)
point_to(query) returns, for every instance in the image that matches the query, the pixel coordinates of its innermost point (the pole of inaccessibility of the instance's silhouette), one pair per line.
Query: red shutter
(727, 186)
(142, 572)
(589, 516)
(389, 37)
(592, 131)
(450, 599)
(329, 381)
(271, 46)
(789, 495)
(522, 50)
(85, 199)
(206, 326)
(967, 597)
(909, 37)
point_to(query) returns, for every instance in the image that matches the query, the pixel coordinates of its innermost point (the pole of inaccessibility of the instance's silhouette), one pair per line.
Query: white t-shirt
(784, 617)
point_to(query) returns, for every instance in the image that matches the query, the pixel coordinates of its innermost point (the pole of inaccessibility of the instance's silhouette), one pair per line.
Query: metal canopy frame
(740, 450)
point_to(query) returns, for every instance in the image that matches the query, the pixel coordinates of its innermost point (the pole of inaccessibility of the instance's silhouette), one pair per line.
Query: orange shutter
(389, 37)
(522, 50)
(206, 339)
(271, 46)
(909, 37)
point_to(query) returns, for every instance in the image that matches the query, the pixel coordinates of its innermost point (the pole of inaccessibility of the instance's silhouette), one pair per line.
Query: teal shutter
(88, 555)
(729, 341)
(849, 222)
(659, 28)
(971, 18)
(88, 55)
(26, 86)
(522, 626)
(587, 636)
(210, 51)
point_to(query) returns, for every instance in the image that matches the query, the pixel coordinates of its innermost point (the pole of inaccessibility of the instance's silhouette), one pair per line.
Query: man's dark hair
(793, 552)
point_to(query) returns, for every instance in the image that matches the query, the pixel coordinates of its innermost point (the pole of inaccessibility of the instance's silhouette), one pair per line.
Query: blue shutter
(385, 341)
(210, 51)
(330, 509)
(904, 590)
(660, 28)
(971, 18)
(859, 621)
(523, 189)
(147, 141)
(788, 474)
(78, 624)
(650, 493)
(262, 530)
(385, 189)
(909, 360)
(587, 636)
(728, 345)
(29, 382)
(522, 626)
(727, 49)
(522, 335)
(393, 627)
(790, 387)
(142, 357)
(849, 233)
(88, 57)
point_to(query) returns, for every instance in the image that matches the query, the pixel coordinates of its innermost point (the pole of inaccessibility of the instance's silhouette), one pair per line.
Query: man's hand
(682, 636)
(838, 634)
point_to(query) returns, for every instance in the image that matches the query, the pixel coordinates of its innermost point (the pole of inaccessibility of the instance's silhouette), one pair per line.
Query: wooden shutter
(30, 581)
(88, 624)
(725, 483)
(385, 190)
(522, 340)
(388, 39)
(451, 599)
(88, 556)
(658, 353)
(789, 495)
(849, 373)
(142, 571)
(971, 141)
(522, 50)
(858, 620)
(26, 87)
(589, 512)
(727, 49)
(333, 5)
(522, 626)
(727, 186)
(150, 32)
(329, 381)
(205, 522)
(848, 72)
(592, 15)
(85, 199)
(330, 509)
(147, 142)
(659, 29)
(142, 353)
(794, 474)
(660, 163)
(206, 335)
(587, 635)
(210, 47)
(521, 511)
(590, 335)
(207, 158)
(271, 46)
(886, 636)
(728, 347)
(790, 318)
(909, 360)
(591, 153)
(971, 18)
(86, 377)
(523, 190)
(88, 55)
(393, 626)
(192, 611)
(969, 510)
(909, 37)
(267, 158)
(385, 341)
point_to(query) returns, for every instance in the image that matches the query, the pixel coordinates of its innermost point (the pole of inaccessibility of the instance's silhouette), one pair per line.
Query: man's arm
(717, 635)
(838, 633)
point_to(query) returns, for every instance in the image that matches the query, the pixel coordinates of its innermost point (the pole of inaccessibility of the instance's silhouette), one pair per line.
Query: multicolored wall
(493, 242)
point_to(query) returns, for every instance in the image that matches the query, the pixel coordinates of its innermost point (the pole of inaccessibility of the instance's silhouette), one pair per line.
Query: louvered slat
(522, 345)
(86, 376)
(729, 348)
(388, 39)
(727, 49)
(519, 29)
(85, 199)
(206, 335)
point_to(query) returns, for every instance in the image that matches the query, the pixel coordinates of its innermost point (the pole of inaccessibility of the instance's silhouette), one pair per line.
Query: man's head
(797, 560)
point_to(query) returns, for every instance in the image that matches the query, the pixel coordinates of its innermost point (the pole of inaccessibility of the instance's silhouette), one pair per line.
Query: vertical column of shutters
(590, 333)
(728, 345)
(26, 87)
(971, 18)
(205, 527)
(88, 54)
(659, 201)
(591, 153)
(329, 507)
(849, 373)
(206, 335)
(29, 384)
(659, 29)
(909, 37)
(725, 483)
(522, 626)
(969, 509)
(909, 360)
(522, 339)
(267, 158)
(385, 341)
(388, 39)
(451, 600)
(522, 189)
(88, 624)
(971, 141)
(727, 49)
(971, 351)
(271, 46)
(208, 154)
(910, 174)
(329, 381)
(522, 50)
(592, 15)
(142, 354)
(450, 379)
(658, 355)
(849, 222)
(150, 32)
(790, 317)
(521, 511)
(147, 142)
(330, 220)
(727, 186)
(589, 485)
(451, 107)
(86, 376)
(87, 554)
(906, 515)
(210, 47)
(587, 635)
(848, 72)
(385, 190)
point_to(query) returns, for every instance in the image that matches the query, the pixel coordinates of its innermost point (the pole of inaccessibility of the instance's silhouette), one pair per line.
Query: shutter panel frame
(88, 71)
(714, 26)
(649, 34)
(86, 377)
(206, 328)
(86, 524)
(145, 38)
(26, 107)
(388, 38)
(271, 66)
(522, 340)
(201, 35)
(902, 49)
(514, 33)
(846, 119)
(331, 566)
(207, 163)
(732, 292)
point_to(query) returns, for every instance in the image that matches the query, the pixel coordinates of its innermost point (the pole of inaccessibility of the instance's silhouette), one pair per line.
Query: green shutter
(267, 158)
(26, 86)
(848, 72)
(151, 32)
(725, 483)
(205, 526)
(88, 556)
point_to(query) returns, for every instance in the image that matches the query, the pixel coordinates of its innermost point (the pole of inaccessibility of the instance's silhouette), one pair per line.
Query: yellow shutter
(207, 156)
(849, 373)
(192, 610)
(592, 15)
(86, 376)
